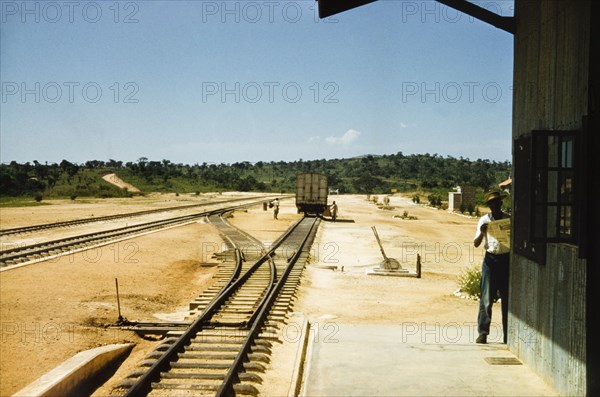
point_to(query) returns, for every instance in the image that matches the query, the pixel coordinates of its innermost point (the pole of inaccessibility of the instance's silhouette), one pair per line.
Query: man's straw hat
(489, 196)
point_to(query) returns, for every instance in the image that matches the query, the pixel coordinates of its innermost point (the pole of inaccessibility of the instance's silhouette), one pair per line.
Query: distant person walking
(275, 208)
(333, 209)
(494, 269)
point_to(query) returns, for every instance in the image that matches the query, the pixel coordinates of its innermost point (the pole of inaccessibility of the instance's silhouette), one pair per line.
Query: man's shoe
(481, 339)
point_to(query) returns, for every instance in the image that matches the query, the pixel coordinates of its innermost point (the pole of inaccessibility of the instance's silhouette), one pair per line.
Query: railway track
(77, 222)
(227, 345)
(45, 250)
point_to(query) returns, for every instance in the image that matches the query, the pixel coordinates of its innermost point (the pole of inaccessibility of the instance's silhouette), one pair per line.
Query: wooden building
(553, 116)
(554, 275)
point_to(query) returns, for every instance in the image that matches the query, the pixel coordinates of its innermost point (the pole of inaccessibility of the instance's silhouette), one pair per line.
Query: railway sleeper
(235, 312)
(206, 298)
(238, 306)
(284, 300)
(269, 337)
(285, 306)
(270, 330)
(247, 301)
(231, 321)
(260, 357)
(256, 283)
(248, 366)
(278, 316)
(197, 307)
(244, 296)
(243, 376)
(239, 389)
(288, 293)
(223, 339)
(255, 348)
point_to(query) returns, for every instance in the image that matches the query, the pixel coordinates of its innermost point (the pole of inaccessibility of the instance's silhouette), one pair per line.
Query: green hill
(367, 174)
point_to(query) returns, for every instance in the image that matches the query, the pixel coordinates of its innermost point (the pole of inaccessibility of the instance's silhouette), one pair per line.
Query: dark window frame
(554, 207)
(533, 169)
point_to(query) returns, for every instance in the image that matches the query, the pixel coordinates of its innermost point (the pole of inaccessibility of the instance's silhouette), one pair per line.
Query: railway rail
(77, 222)
(42, 251)
(227, 344)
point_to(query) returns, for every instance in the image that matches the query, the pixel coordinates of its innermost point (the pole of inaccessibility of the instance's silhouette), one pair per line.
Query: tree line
(366, 174)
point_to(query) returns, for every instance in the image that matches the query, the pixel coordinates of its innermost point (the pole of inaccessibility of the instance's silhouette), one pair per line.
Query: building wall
(454, 201)
(468, 195)
(547, 321)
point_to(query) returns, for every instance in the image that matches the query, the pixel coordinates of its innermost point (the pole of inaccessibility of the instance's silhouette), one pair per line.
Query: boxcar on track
(311, 193)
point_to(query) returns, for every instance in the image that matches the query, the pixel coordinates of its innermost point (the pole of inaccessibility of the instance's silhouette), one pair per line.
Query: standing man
(494, 270)
(333, 209)
(275, 208)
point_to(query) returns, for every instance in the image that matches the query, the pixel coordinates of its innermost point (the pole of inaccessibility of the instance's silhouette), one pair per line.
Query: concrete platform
(69, 376)
(412, 359)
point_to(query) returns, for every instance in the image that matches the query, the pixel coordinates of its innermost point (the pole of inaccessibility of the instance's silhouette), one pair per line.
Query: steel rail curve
(239, 313)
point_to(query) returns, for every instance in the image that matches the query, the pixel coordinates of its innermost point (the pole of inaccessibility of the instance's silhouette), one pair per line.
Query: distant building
(506, 185)
(463, 196)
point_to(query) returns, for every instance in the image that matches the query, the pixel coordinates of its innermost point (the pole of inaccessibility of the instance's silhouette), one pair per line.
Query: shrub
(469, 281)
(435, 200)
(470, 209)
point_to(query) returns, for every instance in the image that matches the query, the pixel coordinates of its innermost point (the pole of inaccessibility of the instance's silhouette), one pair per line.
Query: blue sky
(228, 81)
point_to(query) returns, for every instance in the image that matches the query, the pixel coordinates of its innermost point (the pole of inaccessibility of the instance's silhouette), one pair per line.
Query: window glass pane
(552, 186)
(566, 187)
(566, 221)
(551, 221)
(567, 153)
(553, 152)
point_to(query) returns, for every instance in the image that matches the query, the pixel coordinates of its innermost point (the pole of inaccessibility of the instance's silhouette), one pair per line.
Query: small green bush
(469, 281)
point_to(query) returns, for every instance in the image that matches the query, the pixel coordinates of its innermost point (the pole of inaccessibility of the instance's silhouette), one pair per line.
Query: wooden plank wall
(547, 302)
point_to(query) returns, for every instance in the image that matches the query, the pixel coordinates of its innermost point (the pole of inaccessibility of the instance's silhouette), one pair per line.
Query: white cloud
(344, 140)
(314, 139)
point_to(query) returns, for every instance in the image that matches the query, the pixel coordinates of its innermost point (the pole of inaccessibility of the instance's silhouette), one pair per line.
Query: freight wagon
(311, 193)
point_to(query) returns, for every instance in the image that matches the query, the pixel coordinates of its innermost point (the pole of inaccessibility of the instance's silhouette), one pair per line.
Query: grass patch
(14, 202)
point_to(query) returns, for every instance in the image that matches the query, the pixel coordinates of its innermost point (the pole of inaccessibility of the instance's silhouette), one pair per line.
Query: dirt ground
(337, 290)
(52, 310)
